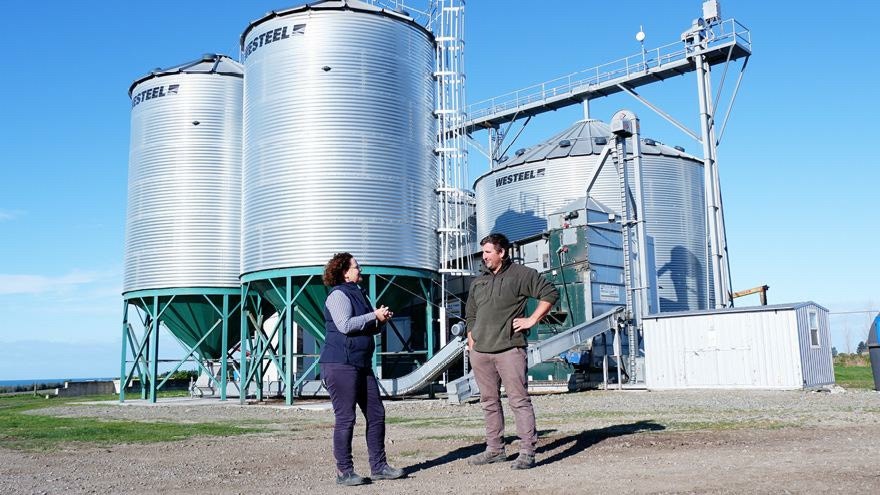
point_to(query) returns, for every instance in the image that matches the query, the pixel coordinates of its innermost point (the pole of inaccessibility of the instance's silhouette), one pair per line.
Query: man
(497, 342)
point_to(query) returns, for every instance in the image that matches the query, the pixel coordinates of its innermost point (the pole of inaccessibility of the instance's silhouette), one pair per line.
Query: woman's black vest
(355, 348)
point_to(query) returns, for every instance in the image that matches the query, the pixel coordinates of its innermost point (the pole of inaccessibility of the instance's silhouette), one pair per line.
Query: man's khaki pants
(507, 367)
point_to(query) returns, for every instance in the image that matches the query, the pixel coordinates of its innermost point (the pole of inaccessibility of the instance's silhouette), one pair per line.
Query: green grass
(19, 430)
(426, 422)
(724, 425)
(854, 376)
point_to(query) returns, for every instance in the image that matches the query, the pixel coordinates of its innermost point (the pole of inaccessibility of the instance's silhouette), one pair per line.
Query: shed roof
(746, 309)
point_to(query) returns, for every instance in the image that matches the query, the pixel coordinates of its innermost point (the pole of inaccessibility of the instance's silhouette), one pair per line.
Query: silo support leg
(122, 364)
(287, 370)
(243, 346)
(154, 352)
(429, 318)
(224, 345)
(139, 359)
(377, 360)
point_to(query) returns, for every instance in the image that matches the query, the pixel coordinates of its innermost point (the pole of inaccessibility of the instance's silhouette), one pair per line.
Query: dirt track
(624, 442)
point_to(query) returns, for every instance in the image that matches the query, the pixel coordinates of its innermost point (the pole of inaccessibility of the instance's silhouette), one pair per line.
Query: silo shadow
(519, 224)
(687, 277)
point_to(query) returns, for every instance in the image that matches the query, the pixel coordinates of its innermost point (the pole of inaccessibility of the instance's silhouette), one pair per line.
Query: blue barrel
(874, 351)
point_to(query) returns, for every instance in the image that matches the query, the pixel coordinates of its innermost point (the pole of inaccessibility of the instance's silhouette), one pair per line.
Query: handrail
(722, 33)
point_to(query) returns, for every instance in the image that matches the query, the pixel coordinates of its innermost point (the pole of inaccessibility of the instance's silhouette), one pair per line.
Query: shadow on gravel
(587, 438)
(465, 452)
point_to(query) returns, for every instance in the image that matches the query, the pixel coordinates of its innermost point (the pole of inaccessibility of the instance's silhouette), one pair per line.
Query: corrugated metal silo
(184, 213)
(338, 156)
(516, 197)
(338, 138)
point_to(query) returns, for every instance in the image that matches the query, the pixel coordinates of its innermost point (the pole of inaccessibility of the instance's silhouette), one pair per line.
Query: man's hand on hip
(523, 324)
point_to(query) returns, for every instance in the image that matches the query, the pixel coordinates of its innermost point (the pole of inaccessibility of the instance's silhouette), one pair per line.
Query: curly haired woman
(346, 365)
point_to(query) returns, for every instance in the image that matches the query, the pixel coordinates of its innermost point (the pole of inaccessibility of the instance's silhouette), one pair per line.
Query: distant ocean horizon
(40, 381)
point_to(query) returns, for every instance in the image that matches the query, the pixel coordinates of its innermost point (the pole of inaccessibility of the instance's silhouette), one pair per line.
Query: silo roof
(334, 5)
(583, 138)
(210, 63)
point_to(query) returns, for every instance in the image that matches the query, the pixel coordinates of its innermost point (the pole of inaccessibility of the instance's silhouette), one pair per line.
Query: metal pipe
(660, 112)
(720, 229)
(122, 366)
(732, 99)
(605, 372)
(154, 354)
(243, 367)
(642, 249)
(713, 239)
(224, 345)
(287, 342)
(617, 356)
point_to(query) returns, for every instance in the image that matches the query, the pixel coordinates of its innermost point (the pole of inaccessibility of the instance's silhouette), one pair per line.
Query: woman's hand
(383, 313)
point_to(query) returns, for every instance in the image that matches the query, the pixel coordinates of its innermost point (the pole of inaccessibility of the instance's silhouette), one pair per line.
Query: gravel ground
(628, 442)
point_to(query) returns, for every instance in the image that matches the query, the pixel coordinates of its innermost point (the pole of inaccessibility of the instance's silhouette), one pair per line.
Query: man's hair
(500, 242)
(334, 270)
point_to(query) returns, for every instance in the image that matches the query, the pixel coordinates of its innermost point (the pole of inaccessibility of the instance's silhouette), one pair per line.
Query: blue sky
(799, 181)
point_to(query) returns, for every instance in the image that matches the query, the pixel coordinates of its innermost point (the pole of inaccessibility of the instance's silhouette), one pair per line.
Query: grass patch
(423, 422)
(410, 453)
(460, 437)
(38, 432)
(854, 376)
(573, 415)
(724, 425)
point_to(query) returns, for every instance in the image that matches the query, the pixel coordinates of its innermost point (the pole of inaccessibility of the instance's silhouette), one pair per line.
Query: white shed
(785, 346)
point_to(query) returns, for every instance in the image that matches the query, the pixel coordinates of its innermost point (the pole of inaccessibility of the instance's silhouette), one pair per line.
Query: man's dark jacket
(496, 299)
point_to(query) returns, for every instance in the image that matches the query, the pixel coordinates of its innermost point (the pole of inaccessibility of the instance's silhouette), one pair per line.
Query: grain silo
(338, 156)
(182, 245)
(518, 194)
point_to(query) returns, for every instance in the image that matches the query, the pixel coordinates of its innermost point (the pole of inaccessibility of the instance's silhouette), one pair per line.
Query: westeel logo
(157, 92)
(519, 177)
(272, 36)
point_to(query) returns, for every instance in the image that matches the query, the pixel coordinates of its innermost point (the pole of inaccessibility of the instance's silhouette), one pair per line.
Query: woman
(346, 365)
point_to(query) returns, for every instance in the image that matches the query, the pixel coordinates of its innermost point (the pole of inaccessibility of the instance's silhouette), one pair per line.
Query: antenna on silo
(640, 37)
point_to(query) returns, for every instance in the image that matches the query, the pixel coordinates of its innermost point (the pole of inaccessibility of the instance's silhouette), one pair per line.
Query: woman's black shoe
(351, 479)
(389, 473)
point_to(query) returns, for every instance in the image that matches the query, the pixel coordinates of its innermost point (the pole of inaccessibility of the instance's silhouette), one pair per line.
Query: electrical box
(711, 11)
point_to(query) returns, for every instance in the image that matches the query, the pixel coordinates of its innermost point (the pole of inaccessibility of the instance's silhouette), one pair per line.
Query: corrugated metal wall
(816, 362)
(759, 349)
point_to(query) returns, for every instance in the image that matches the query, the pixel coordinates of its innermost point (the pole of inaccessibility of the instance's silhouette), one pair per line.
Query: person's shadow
(587, 438)
(463, 453)
(579, 441)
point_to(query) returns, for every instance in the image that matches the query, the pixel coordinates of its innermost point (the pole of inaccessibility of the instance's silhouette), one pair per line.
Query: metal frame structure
(451, 149)
(697, 40)
(151, 306)
(459, 390)
(625, 125)
(288, 292)
(708, 42)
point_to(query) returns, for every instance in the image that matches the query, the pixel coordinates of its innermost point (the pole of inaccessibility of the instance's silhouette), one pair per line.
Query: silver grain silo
(516, 197)
(338, 154)
(182, 245)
